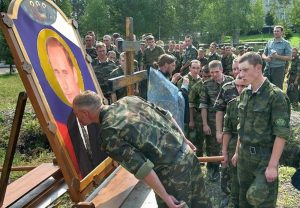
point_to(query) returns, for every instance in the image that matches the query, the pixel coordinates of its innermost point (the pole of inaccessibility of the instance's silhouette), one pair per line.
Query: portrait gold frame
(78, 188)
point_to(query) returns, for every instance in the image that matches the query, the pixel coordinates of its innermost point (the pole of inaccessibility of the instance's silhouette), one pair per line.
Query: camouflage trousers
(183, 179)
(196, 135)
(251, 166)
(293, 90)
(212, 146)
(229, 179)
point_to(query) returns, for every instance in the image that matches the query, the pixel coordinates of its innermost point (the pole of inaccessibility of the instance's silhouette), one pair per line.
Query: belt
(255, 149)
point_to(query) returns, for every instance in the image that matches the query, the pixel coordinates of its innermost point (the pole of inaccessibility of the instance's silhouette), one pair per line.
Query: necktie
(86, 139)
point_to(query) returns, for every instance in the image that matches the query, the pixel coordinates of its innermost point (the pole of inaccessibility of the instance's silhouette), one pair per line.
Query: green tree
(78, 8)
(96, 18)
(294, 14)
(65, 6)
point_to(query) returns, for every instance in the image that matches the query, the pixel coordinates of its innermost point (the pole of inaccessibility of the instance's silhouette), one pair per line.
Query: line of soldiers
(213, 85)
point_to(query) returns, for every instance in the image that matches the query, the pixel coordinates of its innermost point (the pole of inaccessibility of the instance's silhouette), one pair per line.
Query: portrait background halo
(46, 66)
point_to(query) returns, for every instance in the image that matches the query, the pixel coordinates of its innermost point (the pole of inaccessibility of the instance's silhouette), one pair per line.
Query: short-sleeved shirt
(263, 115)
(210, 91)
(282, 47)
(139, 135)
(227, 93)
(231, 120)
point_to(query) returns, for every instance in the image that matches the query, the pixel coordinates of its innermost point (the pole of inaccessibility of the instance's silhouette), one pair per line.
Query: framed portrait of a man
(54, 69)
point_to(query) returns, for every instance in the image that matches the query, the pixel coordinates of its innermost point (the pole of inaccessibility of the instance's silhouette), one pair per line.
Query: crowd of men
(236, 106)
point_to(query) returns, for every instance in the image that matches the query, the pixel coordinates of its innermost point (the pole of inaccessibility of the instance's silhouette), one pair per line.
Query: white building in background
(281, 7)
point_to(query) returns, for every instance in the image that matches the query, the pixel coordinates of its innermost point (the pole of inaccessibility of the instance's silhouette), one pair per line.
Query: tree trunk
(236, 37)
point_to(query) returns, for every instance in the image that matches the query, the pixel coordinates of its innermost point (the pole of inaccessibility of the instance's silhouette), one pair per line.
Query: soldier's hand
(268, 59)
(271, 174)
(192, 146)
(176, 77)
(206, 130)
(219, 136)
(225, 161)
(234, 159)
(174, 203)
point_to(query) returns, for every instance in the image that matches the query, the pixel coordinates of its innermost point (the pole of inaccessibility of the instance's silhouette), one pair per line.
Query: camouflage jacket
(194, 94)
(263, 115)
(214, 56)
(295, 67)
(139, 135)
(203, 61)
(227, 93)
(151, 56)
(92, 52)
(192, 81)
(102, 72)
(210, 91)
(227, 63)
(190, 54)
(116, 73)
(231, 118)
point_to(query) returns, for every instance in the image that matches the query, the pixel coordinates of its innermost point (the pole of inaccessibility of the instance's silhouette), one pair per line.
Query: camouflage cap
(258, 191)
(260, 50)
(241, 47)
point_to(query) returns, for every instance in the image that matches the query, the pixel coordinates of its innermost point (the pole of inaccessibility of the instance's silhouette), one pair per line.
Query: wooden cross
(130, 77)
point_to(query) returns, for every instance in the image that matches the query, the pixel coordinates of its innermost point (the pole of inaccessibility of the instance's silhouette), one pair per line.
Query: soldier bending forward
(147, 141)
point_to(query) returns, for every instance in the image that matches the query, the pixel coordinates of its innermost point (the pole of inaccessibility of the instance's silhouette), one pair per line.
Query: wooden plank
(26, 183)
(117, 190)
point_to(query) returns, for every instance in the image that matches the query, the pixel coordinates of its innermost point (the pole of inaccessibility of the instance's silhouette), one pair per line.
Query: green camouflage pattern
(214, 56)
(227, 63)
(203, 61)
(142, 137)
(92, 52)
(102, 72)
(196, 136)
(293, 89)
(263, 115)
(116, 73)
(208, 96)
(229, 180)
(151, 56)
(227, 93)
(190, 54)
(252, 167)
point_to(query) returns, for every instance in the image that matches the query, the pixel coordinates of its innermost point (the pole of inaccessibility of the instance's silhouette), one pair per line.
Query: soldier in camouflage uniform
(201, 57)
(191, 128)
(89, 48)
(151, 54)
(147, 141)
(102, 68)
(229, 181)
(209, 93)
(264, 116)
(190, 54)
(227, 60)
(227, 93)
(213, 55)
(293, 81)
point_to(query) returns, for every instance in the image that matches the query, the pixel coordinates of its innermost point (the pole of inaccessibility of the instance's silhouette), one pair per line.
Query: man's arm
(219, 122)
(154, 182)
(235, 156)
(206, 127)
(281, 57)
(226, 138)
(271, 172)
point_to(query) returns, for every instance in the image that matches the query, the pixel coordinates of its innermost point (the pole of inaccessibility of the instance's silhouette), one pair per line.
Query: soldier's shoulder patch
(280, 122)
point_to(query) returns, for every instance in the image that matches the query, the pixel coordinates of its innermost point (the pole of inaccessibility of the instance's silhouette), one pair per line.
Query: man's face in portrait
(216, 74)
(248, 72)
(64, 70)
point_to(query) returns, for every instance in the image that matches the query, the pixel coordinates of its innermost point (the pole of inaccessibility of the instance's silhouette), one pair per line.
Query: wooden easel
(35, 179)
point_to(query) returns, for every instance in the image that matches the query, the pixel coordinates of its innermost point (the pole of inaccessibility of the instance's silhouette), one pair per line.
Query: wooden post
(12, 144)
